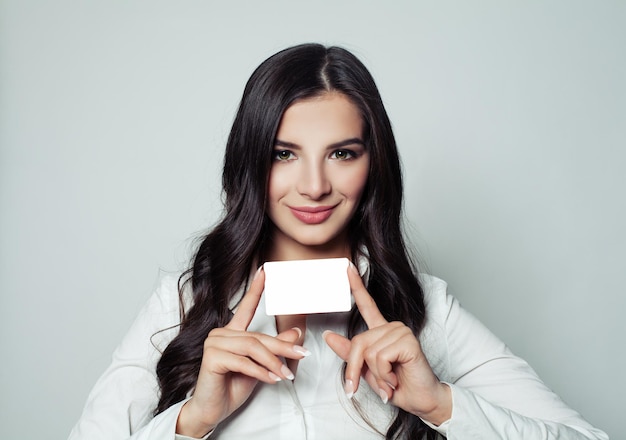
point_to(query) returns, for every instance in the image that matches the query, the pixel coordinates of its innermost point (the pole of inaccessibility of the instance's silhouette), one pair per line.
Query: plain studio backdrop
(511, 122)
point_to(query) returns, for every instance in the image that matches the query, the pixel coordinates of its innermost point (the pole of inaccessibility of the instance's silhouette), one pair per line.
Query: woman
(311, 171)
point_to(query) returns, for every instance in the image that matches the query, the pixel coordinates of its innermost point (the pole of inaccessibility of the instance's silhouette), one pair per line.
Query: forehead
(331, 116)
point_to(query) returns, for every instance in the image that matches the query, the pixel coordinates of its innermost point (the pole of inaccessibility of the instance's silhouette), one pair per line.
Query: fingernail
(287, 372)
(348, 388)
(353, 268)
(298, 330)
(256, 274)
(301, 350)
(274, 377)
(390, 386)
(325, 332)
(383, 396)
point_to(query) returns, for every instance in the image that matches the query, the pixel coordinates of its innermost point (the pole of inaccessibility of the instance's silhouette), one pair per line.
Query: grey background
(511, 121)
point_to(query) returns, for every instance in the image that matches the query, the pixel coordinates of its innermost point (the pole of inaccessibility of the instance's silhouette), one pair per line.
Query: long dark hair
(225, 256)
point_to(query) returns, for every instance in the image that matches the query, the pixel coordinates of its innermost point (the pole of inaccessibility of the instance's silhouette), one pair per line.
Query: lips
(312, 215)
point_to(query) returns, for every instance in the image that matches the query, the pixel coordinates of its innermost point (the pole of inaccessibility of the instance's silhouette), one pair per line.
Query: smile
(312, 215)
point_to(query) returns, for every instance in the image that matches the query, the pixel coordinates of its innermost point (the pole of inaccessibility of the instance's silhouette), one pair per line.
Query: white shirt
(496, 395)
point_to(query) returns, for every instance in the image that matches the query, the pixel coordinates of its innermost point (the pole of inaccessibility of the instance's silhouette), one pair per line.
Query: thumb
(291, 335)
(339, 344)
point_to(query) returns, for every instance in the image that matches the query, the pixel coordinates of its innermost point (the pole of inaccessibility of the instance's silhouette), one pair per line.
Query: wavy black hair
(225, 256)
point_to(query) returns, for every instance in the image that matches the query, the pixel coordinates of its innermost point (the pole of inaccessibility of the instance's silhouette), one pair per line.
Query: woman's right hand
(233, 362)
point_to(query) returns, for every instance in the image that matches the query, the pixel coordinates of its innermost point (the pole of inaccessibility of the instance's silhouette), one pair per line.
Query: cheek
(353, 183)
(275, 189)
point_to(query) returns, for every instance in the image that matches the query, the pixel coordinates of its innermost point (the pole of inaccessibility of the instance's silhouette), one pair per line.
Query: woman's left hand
(390, 358)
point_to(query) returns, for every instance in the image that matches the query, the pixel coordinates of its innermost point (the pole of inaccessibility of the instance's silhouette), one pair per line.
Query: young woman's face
(320, 167)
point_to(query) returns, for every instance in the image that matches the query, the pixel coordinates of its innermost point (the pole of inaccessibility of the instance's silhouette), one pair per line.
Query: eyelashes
(283, 155)
(342, 154)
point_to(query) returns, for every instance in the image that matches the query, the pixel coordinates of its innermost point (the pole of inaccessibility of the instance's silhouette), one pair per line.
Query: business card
(307, 286)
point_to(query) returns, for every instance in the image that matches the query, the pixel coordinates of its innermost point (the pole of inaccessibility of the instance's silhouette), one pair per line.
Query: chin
(314, 242)
(318, 241)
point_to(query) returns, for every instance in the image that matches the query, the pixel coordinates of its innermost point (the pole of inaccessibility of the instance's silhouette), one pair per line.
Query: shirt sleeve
(121, 404)
(496, 394)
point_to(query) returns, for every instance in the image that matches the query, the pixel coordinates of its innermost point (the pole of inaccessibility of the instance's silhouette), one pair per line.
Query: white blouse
(496, 395)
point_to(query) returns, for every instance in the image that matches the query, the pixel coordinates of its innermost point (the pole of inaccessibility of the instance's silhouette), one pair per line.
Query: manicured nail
(349, 389)
(287, 372)
(298, 330)
(354, 269)
(274, 377)
(383, 396)
(301, 350)
(390, 386)
(256, 274)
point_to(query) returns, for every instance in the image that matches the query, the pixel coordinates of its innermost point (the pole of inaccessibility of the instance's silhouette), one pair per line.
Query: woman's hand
(389, 357)
(233, 362)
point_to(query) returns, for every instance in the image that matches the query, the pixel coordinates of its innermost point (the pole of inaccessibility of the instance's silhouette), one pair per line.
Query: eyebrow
(339, 144)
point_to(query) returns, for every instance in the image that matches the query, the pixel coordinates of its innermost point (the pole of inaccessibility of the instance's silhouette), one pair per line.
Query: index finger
(250, 301)
(364, 302)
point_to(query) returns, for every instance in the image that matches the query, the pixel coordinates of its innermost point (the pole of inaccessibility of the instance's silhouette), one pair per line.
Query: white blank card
(307, 286)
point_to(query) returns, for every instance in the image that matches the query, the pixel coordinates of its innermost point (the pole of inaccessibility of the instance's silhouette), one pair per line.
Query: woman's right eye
(282, 155)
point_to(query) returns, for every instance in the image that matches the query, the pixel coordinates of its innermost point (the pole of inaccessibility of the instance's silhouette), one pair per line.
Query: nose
(314, 182)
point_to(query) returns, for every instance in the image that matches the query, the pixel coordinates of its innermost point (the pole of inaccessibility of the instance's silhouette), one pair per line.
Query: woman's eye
(283, 155)
(342, 154)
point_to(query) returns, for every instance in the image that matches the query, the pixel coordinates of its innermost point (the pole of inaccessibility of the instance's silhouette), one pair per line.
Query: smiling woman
(319, 173)
(311, 171)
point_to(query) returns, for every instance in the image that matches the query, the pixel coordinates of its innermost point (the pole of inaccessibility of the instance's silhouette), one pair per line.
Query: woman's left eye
(342, 154)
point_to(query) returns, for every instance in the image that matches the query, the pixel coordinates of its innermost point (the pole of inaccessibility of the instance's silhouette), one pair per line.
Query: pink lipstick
(312, 215)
